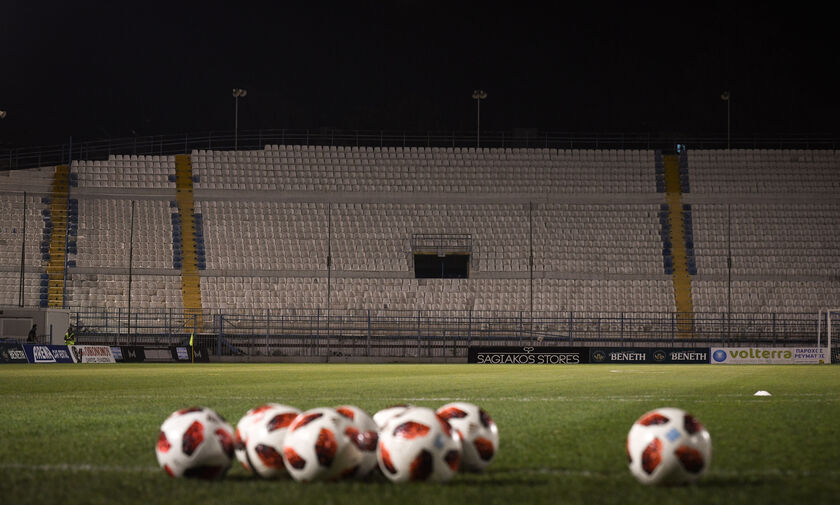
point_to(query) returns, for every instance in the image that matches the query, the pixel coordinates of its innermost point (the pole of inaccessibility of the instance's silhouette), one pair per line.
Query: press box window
(441, 256)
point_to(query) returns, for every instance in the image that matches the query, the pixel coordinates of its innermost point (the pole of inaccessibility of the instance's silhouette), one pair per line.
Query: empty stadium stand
(550, 231)
(432, 169)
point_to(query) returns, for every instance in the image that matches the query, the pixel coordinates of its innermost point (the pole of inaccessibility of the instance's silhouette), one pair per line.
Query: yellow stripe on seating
(683, 301)
(190, 278)
(58, 240)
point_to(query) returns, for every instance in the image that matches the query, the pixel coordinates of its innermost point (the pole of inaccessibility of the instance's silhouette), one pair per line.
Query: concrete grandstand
(546, 234)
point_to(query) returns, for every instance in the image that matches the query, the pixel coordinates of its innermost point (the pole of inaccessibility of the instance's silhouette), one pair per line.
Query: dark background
(118, 69)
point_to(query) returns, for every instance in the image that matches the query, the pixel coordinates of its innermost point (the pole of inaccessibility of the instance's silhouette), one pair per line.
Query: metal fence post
(723, 328)
(622, 329)
(673, 327)
(418, 334)
(317, 311)
(219, 336)
(443, 349)
(367, 343)
(469, 329)
(571, 322)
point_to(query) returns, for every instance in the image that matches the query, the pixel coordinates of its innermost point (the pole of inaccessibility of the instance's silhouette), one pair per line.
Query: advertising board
(157, 354)
(12, 353)
(128, 353)
(769, 355)
(182, 353)
(660, 355)
(92, 354)
(527, 355)
(47, 353)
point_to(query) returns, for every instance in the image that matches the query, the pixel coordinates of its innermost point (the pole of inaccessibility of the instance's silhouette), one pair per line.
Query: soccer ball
(382, 417)
(245, 426)
(418, 445)
(365, 437)
(668, 446)
(479, 434)
(195, 442)
(320, 445)
(264, 445)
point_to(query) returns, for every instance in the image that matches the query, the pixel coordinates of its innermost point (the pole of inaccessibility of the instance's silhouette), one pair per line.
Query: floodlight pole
(329, 258)
(66, 227)
(728, 270)
(22, 253)
(130, 268)
(237, 94)
(478, 95)
(531, 260)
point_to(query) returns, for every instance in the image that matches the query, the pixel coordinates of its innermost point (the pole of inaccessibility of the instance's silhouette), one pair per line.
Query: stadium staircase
(189, 244)
(678, 221)
(56, 234)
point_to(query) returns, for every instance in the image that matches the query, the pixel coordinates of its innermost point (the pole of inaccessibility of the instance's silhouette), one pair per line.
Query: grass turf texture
(86, 433)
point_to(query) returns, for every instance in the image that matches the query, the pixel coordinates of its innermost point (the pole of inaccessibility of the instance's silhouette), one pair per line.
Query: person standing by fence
(33, 333)
(70, 336)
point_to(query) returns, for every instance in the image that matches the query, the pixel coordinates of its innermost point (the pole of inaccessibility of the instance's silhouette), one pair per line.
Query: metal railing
(404, 334)
(98, 149)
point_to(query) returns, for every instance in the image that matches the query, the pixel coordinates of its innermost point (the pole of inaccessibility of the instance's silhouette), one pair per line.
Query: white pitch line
(78, 468)
(769, 472)
(801, 397)
(636, 371)
(563, 472)
(610, 399)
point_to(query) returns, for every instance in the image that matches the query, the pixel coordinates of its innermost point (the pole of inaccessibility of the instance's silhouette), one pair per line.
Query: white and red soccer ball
(321, 444)
(195, 442)
(479, 434)
(418, 445)
(382, 416)
(248, 423)
(405, 443)
(668, 446)
(365, 437)
(265, 437)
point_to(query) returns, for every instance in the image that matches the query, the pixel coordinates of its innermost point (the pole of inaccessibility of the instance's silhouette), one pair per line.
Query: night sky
(113, 69)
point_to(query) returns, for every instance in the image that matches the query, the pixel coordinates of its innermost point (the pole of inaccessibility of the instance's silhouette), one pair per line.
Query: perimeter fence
(313, 333)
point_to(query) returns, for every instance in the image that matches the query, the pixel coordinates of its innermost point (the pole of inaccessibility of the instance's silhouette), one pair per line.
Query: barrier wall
(47, 353)
(528, 355)
(487, 355)
(92, 354)
(687, 355)
(769, 355)
(12, 353)
(503, 355)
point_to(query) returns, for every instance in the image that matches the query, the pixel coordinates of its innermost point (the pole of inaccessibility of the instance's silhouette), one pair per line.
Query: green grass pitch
(86, 433)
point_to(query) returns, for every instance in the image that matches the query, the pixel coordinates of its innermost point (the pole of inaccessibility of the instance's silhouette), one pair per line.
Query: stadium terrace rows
(545, 230)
